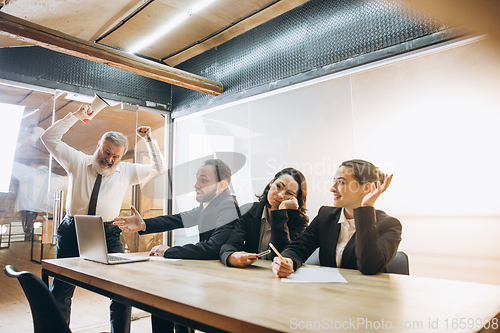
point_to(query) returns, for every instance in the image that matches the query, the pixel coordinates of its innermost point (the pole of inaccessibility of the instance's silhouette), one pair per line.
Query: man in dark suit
(217, 209)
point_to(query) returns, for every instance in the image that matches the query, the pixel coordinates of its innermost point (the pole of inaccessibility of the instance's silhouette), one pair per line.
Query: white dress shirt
(265, 235)
(82, 175)
(347, 229)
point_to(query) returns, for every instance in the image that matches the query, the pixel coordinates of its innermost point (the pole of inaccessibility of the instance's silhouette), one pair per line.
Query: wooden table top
(253, 300)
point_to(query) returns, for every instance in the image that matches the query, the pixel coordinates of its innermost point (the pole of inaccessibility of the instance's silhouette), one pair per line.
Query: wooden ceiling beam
(36, 34)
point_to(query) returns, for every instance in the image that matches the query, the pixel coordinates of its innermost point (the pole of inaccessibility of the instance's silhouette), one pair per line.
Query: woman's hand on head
(289, 204)
(282, 268)
(242, 259)
(376, 191)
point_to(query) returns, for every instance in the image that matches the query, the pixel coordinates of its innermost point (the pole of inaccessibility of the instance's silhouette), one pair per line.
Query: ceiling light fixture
(169, 25)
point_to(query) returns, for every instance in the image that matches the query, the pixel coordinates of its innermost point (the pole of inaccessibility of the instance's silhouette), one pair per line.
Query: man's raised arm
(157, 166)
(52, 138)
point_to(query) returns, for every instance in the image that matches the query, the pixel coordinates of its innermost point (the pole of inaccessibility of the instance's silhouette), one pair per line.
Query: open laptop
(92, 242)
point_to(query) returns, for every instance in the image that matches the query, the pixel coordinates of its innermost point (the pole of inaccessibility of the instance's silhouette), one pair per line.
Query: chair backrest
(400, 264)
(47, 317)
(313, 258)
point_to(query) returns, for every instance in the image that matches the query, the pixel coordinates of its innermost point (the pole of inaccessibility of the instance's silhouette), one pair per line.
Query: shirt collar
(264, 215)
(343, 219)
(89, 161)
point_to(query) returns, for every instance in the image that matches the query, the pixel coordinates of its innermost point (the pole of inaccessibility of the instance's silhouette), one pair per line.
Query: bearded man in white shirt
(115, 178)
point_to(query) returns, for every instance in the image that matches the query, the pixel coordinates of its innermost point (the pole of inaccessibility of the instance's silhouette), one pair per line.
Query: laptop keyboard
(112, 258)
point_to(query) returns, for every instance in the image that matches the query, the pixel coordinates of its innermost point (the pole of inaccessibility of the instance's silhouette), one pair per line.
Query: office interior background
(313, 84)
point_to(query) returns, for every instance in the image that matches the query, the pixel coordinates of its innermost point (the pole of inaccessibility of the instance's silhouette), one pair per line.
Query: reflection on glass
(33, 194)
(35, 202)
(148, 198)
(9, 129)
(25, 209)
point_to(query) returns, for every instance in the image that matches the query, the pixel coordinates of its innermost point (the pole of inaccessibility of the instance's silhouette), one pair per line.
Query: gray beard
(99, 169)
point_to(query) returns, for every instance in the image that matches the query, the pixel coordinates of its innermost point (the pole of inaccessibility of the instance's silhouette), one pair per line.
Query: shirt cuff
(71, 119)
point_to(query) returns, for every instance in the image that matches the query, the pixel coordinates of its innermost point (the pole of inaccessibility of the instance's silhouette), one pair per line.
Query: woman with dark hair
(352, 234)
(278, 218)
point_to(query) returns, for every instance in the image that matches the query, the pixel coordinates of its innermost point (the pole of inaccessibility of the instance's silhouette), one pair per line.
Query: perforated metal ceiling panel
(43, 67)
(317, 34)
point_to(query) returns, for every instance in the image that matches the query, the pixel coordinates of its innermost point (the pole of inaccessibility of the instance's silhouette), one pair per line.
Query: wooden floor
(90, 312)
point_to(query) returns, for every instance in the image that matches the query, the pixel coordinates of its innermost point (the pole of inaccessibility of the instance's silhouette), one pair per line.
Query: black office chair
(47, 317)
(400, 264)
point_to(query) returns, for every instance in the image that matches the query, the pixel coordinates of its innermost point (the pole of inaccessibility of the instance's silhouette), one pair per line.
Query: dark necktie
(95, 193)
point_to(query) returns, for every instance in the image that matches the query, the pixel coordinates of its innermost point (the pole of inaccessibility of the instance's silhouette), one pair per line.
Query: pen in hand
(280, 267)
(277, 252)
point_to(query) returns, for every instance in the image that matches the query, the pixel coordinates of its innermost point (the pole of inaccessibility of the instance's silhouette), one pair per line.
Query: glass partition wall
(28, 205)
(35, 204)
(147, 198)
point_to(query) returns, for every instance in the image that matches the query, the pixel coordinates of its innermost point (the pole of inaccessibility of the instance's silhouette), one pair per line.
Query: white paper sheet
(315, 275)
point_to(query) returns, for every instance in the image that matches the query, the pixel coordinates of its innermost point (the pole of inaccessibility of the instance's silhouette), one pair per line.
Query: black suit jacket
(370, 249)
(214, 224)
(286, 225)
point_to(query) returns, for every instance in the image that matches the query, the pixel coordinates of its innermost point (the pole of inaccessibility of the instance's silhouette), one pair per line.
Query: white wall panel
(309, 129)
(433, 121)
